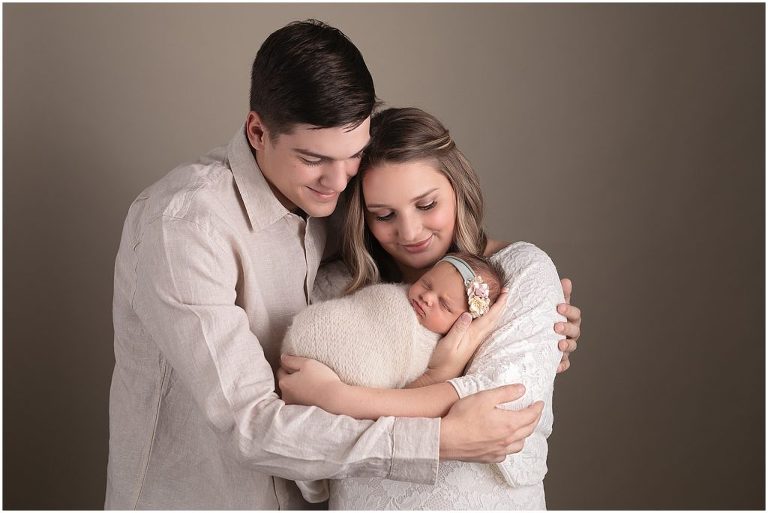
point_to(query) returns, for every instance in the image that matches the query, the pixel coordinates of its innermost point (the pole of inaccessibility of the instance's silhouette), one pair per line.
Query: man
(214, 261)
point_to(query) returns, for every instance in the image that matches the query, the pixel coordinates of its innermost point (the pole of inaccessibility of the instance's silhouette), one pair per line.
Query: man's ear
(256, 131)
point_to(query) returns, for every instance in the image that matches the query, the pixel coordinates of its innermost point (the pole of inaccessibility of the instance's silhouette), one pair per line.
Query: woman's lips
(419, 246)
(417, 307)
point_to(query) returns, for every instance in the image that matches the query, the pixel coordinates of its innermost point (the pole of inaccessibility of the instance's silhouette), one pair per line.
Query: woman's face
(411, 210)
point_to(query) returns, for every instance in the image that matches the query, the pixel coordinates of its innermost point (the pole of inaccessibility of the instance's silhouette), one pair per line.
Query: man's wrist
(447, 441)
(415, 456)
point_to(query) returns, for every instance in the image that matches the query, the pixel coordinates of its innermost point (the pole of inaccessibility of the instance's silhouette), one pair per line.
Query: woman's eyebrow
(414, 200)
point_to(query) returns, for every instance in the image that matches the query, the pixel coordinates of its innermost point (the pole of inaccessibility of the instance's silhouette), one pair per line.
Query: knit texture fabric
(370, 338)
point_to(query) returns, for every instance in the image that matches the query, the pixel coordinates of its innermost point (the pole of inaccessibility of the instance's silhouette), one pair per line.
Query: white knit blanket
(370, 338)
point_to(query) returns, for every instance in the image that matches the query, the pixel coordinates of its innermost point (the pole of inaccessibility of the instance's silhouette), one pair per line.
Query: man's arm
(185, 297)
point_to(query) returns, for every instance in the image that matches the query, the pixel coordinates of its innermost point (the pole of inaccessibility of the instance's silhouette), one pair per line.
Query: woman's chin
(420, 261)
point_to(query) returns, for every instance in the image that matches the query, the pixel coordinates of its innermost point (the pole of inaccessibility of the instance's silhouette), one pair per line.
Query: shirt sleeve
(186, 299)
(523, 349)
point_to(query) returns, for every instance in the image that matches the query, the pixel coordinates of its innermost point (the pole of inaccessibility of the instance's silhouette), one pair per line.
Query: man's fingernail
(561, 309)
(466, 318)
(559, 328)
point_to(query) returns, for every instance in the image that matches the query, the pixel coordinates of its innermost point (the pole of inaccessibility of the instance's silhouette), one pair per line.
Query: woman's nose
(408, 230)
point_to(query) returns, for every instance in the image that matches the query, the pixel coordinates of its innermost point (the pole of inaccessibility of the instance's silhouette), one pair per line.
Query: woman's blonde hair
(403, 135)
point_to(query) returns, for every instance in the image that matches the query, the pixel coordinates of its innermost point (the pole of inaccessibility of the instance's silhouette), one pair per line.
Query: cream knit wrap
(370, 338)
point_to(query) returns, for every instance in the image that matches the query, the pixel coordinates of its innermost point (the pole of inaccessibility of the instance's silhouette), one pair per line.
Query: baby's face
(438, 298)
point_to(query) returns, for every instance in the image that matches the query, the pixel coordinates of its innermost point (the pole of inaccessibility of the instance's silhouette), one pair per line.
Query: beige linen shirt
(211, 269)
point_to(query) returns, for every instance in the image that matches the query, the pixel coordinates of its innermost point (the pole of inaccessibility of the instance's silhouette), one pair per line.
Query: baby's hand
(453, 351)
(308, 382)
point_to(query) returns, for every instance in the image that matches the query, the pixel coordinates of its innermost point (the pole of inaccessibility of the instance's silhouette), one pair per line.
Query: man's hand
(570, 329)
(308, 382)
(454, 350)
(476, 430)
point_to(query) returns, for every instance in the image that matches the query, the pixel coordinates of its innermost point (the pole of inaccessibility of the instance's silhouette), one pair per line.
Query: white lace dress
(523, 349)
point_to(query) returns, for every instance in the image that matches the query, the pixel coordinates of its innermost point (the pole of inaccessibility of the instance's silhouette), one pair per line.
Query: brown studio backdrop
(625, 140)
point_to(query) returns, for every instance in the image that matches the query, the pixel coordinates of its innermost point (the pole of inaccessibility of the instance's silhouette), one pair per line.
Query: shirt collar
(261, 204)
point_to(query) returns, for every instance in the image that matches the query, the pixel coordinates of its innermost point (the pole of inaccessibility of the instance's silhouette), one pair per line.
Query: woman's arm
(523, 350)
(309, 382)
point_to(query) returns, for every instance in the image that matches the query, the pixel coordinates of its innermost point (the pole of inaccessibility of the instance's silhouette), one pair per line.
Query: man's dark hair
(309, 72)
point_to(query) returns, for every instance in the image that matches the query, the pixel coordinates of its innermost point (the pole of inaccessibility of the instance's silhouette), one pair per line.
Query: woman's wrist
(336, 398)
(424, 380)
(432, 377)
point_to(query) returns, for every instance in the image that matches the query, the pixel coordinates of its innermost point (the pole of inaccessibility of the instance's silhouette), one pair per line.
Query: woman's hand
(571, 329)
(308, 382)
(453, 351)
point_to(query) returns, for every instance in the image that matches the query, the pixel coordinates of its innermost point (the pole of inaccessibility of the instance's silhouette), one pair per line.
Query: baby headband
(477, 290)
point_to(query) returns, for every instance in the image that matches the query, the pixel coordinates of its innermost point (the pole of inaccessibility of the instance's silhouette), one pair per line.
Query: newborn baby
(383, 335)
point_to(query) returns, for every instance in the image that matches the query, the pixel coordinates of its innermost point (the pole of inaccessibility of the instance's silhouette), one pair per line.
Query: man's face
(308, 168)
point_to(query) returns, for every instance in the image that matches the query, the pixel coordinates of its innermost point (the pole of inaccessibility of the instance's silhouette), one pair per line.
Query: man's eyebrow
(417, 198)
(326, 157)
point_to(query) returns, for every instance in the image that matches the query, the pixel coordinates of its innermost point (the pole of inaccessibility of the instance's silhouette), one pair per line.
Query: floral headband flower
(477, 290)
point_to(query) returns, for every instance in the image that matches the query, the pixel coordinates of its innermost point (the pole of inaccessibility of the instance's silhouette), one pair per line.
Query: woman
(415, 199)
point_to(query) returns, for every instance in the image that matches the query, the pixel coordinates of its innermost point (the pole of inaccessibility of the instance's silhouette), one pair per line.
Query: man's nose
(336, 177)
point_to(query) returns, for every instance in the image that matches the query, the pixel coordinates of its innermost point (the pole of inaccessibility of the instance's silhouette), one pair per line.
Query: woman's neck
(410, 275)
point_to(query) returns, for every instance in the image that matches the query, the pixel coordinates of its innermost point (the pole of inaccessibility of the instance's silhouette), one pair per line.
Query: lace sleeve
(523, 349)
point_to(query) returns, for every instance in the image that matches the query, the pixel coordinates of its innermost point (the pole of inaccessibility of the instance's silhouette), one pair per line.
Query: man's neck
(275, 191)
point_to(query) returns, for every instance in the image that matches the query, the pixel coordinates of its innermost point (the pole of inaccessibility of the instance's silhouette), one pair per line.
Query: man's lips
(326, 195)
(418, 246)
(417, 307)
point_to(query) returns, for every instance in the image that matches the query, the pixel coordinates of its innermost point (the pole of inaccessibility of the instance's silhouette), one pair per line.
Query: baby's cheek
(442, 326)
